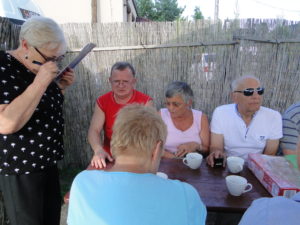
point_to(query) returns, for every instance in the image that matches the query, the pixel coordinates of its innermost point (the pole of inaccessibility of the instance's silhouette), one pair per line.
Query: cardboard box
(275, 173)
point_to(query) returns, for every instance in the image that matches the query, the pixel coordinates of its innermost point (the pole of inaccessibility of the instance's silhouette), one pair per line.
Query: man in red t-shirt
(122, 80)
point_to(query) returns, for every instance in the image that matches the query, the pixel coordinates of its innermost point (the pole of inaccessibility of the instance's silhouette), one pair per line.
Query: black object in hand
(218, 162)
(37, 63)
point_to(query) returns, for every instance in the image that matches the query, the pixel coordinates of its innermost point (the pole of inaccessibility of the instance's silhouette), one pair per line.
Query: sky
(286, 9)
(61, 11)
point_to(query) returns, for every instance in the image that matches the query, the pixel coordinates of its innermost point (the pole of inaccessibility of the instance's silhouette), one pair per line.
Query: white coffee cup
(235, 164)
(162, 175)
(237, 185)
(193, 160)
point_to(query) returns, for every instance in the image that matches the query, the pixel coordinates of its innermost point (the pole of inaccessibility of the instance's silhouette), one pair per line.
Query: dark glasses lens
(250, 91)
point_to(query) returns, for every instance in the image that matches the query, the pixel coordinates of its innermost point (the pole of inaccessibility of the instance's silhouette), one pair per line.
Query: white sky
(287, 9)
(64, 11)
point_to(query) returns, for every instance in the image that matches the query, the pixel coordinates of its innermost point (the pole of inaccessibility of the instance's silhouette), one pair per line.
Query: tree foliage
(197, 14)
(145, 8)
(159, 10)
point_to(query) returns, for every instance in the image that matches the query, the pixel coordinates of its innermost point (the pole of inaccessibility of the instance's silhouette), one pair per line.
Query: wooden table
(211, 186)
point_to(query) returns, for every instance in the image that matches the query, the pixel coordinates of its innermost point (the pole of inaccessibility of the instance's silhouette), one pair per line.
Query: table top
(211, 186)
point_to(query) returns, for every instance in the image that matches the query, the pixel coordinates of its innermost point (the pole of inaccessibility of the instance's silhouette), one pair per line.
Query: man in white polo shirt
(245, 126)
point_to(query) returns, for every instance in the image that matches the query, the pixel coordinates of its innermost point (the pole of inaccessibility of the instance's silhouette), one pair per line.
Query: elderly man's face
(122, 82)
(248, 104)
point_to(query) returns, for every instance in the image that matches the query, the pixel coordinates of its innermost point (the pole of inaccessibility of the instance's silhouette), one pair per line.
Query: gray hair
(179, 88)
(122, 66)
(43, 32)
(238, 81)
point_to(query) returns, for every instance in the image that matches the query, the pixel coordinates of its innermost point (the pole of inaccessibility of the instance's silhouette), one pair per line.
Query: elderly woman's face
(39, 56)
(177, 106)
(44, 55)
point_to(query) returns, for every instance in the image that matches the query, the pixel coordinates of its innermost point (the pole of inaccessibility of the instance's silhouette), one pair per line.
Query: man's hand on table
(99, 159)
(216, 154)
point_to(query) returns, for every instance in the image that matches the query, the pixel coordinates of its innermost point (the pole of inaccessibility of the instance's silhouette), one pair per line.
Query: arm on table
(15, 115)
(95, 128)
(271, 147)
(194, 146)
(167, 154)
(216, 149)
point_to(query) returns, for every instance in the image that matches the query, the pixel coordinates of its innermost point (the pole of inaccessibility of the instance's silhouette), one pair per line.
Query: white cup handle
(240, 167)
(185, 161)
(248, 188)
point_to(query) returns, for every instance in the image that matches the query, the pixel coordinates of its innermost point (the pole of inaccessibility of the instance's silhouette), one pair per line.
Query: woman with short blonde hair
(128, 192)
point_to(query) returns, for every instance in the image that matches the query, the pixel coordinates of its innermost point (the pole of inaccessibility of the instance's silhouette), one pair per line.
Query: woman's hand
(168, 155)
(46, 73)
(185, 148)
(98, 160)
(67, 79)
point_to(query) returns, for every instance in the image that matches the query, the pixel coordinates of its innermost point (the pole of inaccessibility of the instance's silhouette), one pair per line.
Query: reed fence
(167, 51)
(164, 52)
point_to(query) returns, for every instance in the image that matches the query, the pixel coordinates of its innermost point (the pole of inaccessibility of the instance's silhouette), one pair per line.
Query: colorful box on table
(276, 174)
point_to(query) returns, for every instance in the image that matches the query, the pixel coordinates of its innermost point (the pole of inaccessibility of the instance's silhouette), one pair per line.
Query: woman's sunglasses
(250, 91)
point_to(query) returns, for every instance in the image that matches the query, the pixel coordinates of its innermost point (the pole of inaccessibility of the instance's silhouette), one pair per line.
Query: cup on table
(237, 185)
(193, 160)
(235, 164)
(162, 175)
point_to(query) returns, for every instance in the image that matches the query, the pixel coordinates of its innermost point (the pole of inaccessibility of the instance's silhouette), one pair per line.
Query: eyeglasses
(175, 104)
(119, 82)
(47, 59)
(250, 91)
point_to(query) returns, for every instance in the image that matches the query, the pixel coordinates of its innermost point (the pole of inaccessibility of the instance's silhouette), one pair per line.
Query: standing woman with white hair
(31, 123)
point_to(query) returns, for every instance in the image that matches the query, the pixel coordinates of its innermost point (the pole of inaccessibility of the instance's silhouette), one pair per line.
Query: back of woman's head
(43, 32)
(136, 131)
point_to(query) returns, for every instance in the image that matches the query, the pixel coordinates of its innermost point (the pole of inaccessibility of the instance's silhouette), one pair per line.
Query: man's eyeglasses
(47, 59)
(250, 91)
(120, 82)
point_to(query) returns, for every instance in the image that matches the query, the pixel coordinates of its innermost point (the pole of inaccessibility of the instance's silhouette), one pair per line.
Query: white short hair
(238, 81)
(43, 32)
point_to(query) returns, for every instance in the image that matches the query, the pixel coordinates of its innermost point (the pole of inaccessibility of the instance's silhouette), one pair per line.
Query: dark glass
(250, 91)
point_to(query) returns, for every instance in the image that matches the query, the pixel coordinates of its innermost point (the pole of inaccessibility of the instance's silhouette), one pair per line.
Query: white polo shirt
(240, 140)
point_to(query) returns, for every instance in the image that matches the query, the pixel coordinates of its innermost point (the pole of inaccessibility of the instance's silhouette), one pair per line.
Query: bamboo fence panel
(167, 51)
(163, 52)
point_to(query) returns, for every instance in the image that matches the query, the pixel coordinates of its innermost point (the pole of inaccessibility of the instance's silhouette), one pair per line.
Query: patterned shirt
(291, 127)
(39, 143)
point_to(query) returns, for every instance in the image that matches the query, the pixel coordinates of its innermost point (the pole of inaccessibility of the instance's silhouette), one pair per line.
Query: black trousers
(32, 199)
